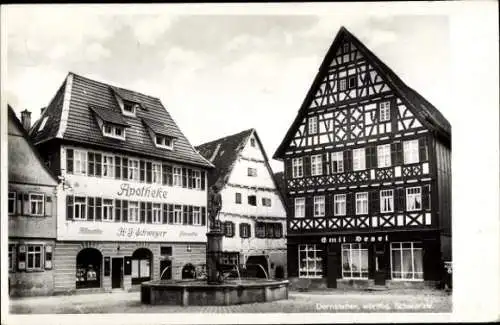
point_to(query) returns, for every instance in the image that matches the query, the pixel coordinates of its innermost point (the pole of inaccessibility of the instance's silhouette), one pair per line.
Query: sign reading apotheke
(142, 191)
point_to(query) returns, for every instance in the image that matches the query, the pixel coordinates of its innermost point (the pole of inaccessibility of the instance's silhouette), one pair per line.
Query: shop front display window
(88, 268)
(310, 261)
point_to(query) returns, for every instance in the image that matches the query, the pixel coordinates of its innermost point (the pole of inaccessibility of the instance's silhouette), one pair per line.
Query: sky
(217, 74)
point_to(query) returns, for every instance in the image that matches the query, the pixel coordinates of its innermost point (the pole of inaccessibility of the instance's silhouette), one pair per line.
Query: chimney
(26, 119)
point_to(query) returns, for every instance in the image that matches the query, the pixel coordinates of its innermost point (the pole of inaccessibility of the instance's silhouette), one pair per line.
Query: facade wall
(66, 255)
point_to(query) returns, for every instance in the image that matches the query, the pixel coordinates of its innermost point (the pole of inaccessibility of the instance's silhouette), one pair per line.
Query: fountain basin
(200, 293)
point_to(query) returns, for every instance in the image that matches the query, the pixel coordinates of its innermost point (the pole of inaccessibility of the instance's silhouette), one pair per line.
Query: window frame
(312, 125)
(156, 213)
(297, 165)
(317, 165)
(32, 255)
(384, 155)
(319, 203)
(37, 201)
(79, 156)
(177, 214)
(196, 179)
(108, 208)
(342, 84)
(363, 201)
(340, 162)
(349, 79)
(106, 166)
(133, 171)
(156, 176)
(300, 202)
(410, 196)
(11, 257)
(266, 202)
(166, 142)
(316, 256)
(339, 203)
(252, 196)
(391, 200)
(384, 111)
(196, 216)
(411, 152)
(237, 198)
(252, 142)
(176, 177)
(358, 159)
(252, 172)
(134, 215)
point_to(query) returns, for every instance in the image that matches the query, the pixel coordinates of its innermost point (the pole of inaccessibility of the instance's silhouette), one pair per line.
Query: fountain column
(214, 251)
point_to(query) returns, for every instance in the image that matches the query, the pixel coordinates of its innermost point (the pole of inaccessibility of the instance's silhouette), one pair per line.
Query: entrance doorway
(116, 272)
(380, 264)
(332, 266)
(88, 268)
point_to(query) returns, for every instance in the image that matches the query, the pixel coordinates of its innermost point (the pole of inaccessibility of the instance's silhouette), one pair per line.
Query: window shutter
(347, 160)
(400, 200)
(190, 178)
(69, 207)
(124, 211)
(98, 162)
(25, 205)
(165, 213)
(184, 177)
(118, 210)
(98, 208)
(288, 168)
(21, 257)
(170, 213)
(307, 165)
(69, 161)
(249, 228)
(48, 205)
(399, 153)
(184, 215)
(164, 174)
(328, 205)
(19, 203)
(374, 202)
(169, 175)
(124, 168)
(291, 207)
(118, 167)
(309, 207)
(232, 229)
(349, 204)
(90, 208)
(374, 163)
(368, 157)
(422, 146)
(149, 172)
(149, 212)
(48, 257)
(242, 225)
(142, 170)
(326, 169)
(143, 212)
(394, 160)
(90, 164)
(202, 180)
(426, 197)
(190, 214)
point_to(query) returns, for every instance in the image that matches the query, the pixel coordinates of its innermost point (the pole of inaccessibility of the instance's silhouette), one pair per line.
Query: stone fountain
(215, 290)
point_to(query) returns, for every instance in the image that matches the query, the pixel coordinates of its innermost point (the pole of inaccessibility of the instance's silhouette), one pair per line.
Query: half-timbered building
(367, 177)
(253, 212)
(133, 204)
(31, 208)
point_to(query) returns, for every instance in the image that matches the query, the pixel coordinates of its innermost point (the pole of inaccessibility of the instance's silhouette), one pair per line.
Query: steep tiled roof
(427, 113)
(158, 127)
(223, 153)
(81, 127)
(109, 115)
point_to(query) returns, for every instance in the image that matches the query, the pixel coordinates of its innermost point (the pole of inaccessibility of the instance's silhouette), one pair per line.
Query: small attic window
(163, 141)
(114, 131)
(129, 108)
(42, 125)
(252, 142)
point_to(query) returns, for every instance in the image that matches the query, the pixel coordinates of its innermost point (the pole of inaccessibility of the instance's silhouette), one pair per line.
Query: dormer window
(163, 141)
(129, 108)
(114, 131)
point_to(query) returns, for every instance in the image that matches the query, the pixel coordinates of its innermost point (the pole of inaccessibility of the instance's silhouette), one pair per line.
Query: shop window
(310, 261)
(36, 204)
(406, 261)
(188, 271)
(12, 202)
(354, 261)
(141, 265)
(88, 268)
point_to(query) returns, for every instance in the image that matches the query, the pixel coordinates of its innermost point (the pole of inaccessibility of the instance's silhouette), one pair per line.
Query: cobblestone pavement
(298, 302)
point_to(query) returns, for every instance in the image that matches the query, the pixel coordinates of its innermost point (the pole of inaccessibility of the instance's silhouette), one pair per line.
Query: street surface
(426, 301)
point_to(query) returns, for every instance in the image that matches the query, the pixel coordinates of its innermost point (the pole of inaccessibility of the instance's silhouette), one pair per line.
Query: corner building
(367, 177)
(132, 205)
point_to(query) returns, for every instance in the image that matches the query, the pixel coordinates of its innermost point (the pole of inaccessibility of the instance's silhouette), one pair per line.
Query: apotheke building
(132, 207)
